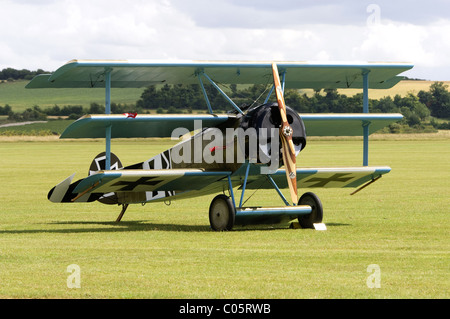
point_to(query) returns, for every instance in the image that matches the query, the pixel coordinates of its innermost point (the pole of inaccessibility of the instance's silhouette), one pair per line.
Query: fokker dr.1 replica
(241, 150)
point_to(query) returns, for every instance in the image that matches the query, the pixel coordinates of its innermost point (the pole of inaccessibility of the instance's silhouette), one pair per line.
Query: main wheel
(221, 213)
(316, 215)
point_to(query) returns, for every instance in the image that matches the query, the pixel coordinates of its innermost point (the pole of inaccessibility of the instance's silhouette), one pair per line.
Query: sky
(45, 34)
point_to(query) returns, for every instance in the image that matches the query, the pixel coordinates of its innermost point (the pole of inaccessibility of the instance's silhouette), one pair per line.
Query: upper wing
(91, 74)
(328, 177)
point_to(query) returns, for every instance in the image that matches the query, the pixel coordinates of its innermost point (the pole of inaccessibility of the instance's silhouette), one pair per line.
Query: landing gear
(221, 213)
(124, 208)
(316, 215)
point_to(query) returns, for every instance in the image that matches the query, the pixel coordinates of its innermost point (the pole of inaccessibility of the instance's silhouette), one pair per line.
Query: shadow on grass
(140, 225)
(109, 227)
(336, 224)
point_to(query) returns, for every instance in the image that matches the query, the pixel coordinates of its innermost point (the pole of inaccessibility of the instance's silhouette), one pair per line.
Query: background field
(19, 98)
(402, 88)
(399, 223)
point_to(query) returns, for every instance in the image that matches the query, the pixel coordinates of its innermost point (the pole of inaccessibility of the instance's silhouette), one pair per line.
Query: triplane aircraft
(243, 149)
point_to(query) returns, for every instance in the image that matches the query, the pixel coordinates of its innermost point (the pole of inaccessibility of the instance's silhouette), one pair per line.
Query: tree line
(71, 112)
(435, 102)
(10, 74)
(426, 109)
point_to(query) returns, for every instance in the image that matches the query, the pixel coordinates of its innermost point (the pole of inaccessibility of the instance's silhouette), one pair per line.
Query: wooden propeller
(286, 133)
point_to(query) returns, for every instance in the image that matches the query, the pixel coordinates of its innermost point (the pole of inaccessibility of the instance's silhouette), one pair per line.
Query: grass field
(400, 223)
(52, 127)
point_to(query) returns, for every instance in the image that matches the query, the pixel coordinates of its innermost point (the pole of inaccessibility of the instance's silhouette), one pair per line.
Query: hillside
(402, 88)
(19, 98)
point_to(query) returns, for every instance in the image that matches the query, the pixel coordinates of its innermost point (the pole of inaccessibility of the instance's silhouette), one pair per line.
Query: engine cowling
(266, 121)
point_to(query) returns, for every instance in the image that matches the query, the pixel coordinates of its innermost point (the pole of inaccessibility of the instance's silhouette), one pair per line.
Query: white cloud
(400, 42)
(426, 46)
(46, 34)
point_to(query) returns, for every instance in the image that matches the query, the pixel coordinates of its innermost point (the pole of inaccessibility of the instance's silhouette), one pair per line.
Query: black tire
(221, 213)
(316, 215)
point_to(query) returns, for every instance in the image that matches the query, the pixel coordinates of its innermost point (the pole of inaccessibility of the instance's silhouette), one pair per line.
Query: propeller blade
(286, 132)
(291, 172)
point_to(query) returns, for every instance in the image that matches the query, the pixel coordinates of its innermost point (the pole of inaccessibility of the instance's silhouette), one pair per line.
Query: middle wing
(142, 125)
(145, 125)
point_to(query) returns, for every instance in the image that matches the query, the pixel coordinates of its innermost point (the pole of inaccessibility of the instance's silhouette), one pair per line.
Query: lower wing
(328, 177)
(135, 181)
(183, 183)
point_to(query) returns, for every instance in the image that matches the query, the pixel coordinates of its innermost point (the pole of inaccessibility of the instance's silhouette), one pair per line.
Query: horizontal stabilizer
(64, 193)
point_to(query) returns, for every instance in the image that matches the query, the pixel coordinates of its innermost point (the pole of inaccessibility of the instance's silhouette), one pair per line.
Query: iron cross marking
(130, 186)
(321, 181)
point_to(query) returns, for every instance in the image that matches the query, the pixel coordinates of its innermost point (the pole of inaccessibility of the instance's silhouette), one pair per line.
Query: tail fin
(99, 163)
